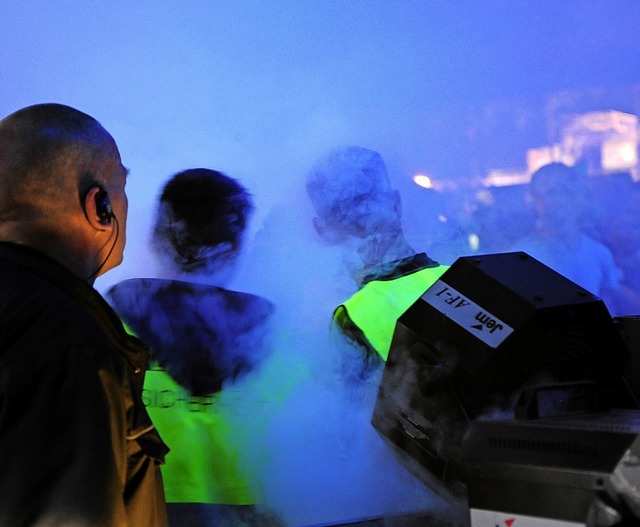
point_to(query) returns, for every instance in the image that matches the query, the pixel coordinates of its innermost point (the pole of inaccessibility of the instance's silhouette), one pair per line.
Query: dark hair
(200, 208)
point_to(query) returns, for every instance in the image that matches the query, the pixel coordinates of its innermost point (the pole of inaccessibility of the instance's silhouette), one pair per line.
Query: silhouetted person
(77, 446)
(204, 340)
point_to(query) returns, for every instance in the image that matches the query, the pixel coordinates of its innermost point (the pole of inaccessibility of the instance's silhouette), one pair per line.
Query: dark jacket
(204, 336)
(77, 447)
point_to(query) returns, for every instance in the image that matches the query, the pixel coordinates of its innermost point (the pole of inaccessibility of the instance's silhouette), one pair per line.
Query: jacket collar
(59, 276)
(398, 268)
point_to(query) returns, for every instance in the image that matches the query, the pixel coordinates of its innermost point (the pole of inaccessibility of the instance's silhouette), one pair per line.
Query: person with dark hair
(358, 210)
(205, 341)
(77, 446)
(559, 196)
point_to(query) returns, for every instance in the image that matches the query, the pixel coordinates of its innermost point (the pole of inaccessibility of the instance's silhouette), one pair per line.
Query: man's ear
(97, 208)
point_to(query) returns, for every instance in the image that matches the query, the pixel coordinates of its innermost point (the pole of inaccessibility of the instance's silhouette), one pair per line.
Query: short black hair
(201, 208)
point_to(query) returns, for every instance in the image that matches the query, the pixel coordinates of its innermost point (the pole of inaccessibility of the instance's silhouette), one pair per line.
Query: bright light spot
(619, 155)
(474, 242)
(423, 181)
(442, 218)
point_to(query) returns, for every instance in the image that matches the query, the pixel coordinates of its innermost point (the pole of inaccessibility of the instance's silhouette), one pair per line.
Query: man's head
(351, 194)
(200, 221)
(558, 194)
(355, 205)
(62, 187)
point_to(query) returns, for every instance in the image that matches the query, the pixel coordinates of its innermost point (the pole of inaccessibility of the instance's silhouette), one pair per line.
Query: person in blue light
(559, 240)
(358, 210)
(206, 340)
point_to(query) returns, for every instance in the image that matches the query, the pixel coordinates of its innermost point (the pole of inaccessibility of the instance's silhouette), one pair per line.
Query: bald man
(77, 447)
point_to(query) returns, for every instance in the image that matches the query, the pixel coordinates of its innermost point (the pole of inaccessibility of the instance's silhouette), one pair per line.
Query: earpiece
(105, 214)
(103, 206)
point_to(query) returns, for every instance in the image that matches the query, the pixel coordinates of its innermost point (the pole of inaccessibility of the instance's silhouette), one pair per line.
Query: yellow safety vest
(202, 466)
(370, 315)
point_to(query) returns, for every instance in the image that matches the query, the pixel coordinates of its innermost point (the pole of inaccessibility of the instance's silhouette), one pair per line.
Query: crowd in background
(496, 219)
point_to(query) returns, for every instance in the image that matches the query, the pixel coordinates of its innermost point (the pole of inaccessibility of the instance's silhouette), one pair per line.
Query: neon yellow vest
(370, 315)
(201, 466)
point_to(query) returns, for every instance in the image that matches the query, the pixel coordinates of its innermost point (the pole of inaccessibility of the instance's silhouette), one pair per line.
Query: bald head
(352, 195)
(357, 208)
(49, 155)
(62, 188)
(347, 174)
